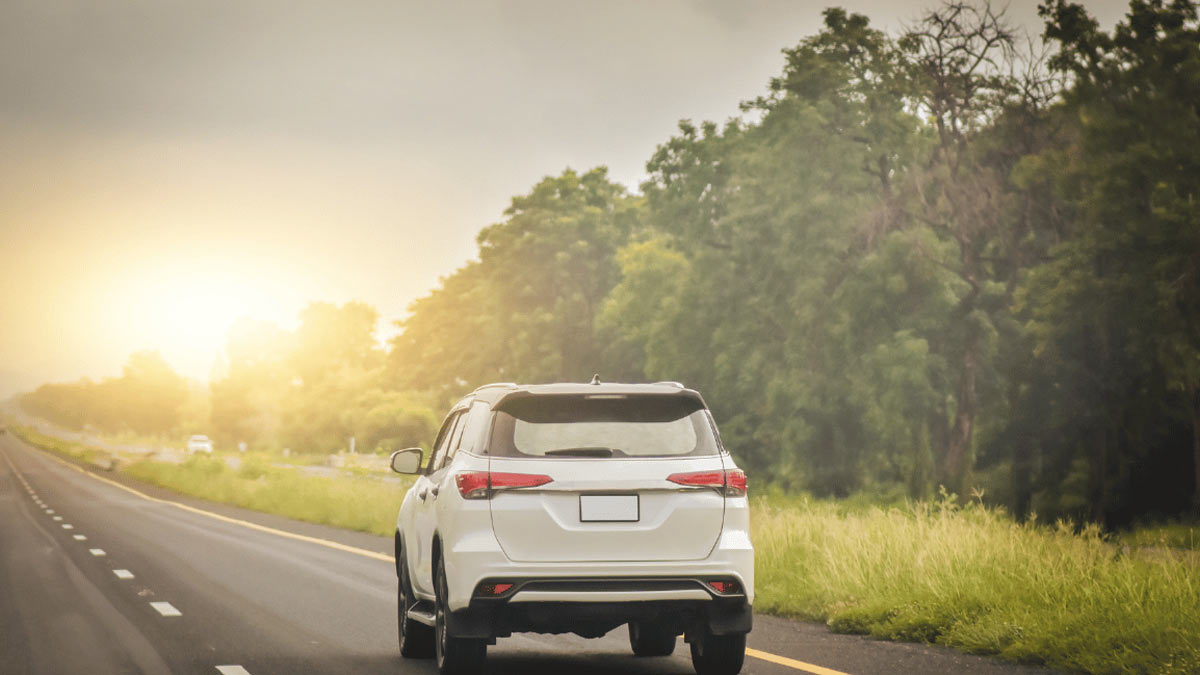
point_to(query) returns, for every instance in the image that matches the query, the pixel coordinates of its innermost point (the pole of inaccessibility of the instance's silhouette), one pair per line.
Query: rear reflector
(732, 482)
(491, 589)
(725, 587)
(481, 484)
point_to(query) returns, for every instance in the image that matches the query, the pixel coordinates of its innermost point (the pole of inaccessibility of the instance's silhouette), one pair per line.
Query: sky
(167, 166)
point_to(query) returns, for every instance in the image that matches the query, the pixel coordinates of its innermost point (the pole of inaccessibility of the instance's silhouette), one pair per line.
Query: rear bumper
(593, 607)
(473, 560)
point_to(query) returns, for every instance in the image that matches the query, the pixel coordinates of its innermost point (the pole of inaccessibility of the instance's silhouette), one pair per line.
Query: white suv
(575, 508)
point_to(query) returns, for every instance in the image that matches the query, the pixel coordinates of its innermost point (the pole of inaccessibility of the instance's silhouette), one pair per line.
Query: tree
(1127, 281)
(526, 309)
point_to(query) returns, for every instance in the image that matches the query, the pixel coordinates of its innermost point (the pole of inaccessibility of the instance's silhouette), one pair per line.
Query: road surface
(99, 576)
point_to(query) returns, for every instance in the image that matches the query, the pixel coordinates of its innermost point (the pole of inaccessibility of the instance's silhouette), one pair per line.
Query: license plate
(608, 508)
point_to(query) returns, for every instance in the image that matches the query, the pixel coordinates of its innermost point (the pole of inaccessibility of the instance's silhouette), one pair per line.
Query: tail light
(481, 484)
(730, 482)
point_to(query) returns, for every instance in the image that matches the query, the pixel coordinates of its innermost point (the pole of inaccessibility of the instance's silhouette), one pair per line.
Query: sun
(185, 312)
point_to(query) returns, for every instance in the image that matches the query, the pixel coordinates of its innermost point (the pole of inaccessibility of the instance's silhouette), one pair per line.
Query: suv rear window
(602, 425)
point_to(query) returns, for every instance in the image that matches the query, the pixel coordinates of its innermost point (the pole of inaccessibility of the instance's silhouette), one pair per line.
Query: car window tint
(602, 426)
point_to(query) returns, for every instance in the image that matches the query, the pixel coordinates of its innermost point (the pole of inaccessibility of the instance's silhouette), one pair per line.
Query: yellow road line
(792, 663)
(755, 653)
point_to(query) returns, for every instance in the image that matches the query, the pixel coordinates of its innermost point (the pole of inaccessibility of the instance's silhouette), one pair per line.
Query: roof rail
(672, 383)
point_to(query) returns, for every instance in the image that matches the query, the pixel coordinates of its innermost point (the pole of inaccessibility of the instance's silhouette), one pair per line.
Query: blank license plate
(608, 508)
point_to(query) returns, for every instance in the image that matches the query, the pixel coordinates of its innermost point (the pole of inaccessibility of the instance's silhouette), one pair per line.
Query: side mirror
(407, 460)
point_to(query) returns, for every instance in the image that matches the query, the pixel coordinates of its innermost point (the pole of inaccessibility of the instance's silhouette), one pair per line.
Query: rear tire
(455, 655)
(718, 654)
(650, 641)
(416, 639)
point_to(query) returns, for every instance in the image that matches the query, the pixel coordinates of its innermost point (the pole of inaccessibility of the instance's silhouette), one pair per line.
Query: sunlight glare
(186, 313)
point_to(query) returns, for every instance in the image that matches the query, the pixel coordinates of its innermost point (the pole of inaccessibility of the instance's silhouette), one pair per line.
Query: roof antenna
(596, 378)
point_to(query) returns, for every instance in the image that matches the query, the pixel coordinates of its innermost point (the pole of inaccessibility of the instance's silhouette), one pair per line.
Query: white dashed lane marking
(68, 526)
(123, 574)
(232, 670)
(57, 518)
(97, 552)
(166, 609)
(80, 537)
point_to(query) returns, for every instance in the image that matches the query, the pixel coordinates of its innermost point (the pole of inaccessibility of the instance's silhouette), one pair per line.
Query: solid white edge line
(166, 609)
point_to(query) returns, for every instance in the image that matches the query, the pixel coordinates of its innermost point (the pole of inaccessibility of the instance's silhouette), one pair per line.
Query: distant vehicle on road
(199, 443)
(575, 508)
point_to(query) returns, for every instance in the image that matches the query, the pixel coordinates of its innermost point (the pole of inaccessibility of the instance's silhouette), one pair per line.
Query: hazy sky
(166, 166)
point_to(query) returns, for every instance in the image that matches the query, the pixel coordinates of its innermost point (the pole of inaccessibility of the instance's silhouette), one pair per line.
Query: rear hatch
(614, 464)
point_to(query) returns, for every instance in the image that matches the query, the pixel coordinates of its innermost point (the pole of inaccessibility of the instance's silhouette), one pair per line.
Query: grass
(353, 503)
(966, 577)
(69, 449)
(363, 503)
(973, 579)
(1185, 536)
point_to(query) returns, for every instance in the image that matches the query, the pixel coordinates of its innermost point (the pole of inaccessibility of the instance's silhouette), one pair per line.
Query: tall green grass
(1184, 536)
(973, 579)
(353, 503)
(59, 446)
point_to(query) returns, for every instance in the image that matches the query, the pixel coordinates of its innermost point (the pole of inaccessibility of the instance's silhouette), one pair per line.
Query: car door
(421, 561)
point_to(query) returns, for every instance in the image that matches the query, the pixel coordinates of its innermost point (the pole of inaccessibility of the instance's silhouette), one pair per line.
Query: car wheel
(455, 655)
(416, 639)
(718, 654)
(650, 641)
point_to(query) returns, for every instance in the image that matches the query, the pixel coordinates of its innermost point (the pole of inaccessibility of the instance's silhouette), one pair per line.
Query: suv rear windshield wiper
(581, 452)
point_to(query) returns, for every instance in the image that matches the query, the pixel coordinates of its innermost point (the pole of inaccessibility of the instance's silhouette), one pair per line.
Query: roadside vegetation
(974, 579)
(1182, 535)
(363, 503)
(354, 500)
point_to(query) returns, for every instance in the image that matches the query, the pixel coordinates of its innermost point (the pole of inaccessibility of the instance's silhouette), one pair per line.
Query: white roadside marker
(68, 526)
(97, 552)
(166, 609)
(232, 670)
(123, 574)
(80, 537)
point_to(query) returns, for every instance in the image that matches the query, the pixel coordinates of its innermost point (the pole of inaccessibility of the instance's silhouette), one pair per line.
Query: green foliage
(149, 398)
(363, 504)
(526, 309)
(314, 389)
(973, 578)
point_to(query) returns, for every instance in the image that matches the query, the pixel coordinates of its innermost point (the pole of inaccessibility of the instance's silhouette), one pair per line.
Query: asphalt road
(97, 579)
